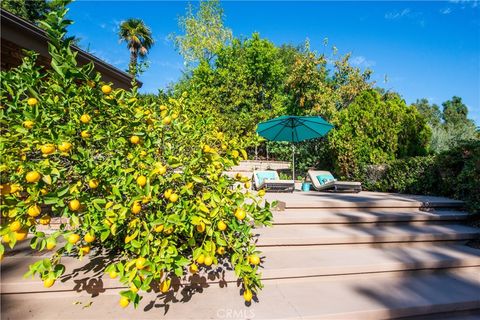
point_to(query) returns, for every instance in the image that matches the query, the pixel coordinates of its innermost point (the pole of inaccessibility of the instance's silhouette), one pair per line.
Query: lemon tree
(133, 177)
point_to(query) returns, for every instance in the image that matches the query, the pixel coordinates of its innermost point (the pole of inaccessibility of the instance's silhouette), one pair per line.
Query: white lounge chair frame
(334, 185)
(275, 185)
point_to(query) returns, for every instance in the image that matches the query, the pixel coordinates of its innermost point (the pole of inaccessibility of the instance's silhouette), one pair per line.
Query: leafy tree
(27, 9)
(138, 180)
(139, 40)
(455, 112)
(430, 111)
(204, 32)
(376, 129)
(449, 126)
(243, 86)
(315, 90)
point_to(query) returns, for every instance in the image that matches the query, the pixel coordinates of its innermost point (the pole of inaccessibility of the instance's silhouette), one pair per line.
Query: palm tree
(139, 40)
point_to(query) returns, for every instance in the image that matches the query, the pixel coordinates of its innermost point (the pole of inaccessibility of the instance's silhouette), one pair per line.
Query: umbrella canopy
(294, 129)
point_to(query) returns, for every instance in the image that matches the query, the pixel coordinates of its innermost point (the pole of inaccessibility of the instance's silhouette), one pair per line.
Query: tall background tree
(204, 32)
(450, 125)
(139, 41)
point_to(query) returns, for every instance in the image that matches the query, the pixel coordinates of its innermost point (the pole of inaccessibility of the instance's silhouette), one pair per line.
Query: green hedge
(454, 173)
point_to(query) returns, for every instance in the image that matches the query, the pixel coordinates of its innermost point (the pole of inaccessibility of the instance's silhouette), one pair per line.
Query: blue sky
(427, 49)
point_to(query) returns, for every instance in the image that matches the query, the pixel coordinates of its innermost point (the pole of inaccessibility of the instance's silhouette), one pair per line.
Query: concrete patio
(328, 256)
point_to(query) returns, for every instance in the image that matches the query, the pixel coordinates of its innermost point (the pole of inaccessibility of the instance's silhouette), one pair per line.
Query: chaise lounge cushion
(266, 175)
(325, 178)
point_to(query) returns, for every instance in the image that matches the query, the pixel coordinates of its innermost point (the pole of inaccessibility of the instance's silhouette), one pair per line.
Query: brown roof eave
(21, 25)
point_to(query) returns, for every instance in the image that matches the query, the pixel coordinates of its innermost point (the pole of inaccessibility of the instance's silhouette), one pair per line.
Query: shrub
(453, 173)
(376, 129)
(133, 178)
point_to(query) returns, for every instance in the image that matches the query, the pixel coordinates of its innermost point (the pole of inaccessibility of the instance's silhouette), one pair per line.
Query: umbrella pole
(293, 161)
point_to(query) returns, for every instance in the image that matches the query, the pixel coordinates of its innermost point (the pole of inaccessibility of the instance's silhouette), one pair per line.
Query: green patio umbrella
(294, 129)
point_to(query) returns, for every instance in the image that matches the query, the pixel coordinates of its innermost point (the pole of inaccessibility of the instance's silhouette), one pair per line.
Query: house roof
(29, 36)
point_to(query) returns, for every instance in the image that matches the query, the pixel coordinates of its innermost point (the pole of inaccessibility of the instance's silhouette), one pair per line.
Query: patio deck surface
(364, 199)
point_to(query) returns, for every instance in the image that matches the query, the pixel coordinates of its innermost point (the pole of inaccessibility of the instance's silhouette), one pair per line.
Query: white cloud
(361, 61)
(445, 11)
(397, 14)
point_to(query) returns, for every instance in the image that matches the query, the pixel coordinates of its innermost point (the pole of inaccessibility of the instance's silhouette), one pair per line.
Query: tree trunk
(132, 69)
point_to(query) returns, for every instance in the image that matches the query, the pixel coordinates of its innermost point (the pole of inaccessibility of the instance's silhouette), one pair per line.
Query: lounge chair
(325, 181)
(270, 181)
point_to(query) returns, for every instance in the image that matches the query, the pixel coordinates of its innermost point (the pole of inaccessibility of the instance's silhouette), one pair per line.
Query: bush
(135, 179)
(376, 129)
(453, 173)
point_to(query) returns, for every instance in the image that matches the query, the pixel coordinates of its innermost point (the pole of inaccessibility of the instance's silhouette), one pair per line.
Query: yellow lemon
(193, 268)
(47, 148)
(34, 211)
(221, 225)
(247, 295)
(106, 89)
(85, 250)
(73, 238)
(85, 118)
(221, 250)
(165, 286)
(136, 207)
(32, 102)
(167, 120)
(201, 259)
(261, 193)
(74, 205)
(51, 243)
(45, 219)
(159, 228)
(28, 124)
(89, 238)
(254, 260)
(133, 288)
(201, 227)
(47, 283)
(142, 181)
(173, 197)
(124, 302)
(32, 177)
(168, 193)
(208, 261)
(93, 183)
(6, 238)
(240, 214)
(65, 146)
(15, 226)
(135, 139)
(21, 234)
(140, 263)
(85, 134)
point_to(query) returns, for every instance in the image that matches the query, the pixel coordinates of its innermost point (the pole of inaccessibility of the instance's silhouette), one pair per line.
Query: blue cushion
(266, 175)
(324, 178)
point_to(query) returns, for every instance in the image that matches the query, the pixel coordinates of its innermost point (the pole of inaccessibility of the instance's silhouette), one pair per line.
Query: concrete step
(314, 261)
(372, 215)
(364, 199)
(278, 263)
(292, 235)
(376, 296)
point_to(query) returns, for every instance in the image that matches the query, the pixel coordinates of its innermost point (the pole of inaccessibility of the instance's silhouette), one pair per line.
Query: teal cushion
(324, 178)
(266, 175)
